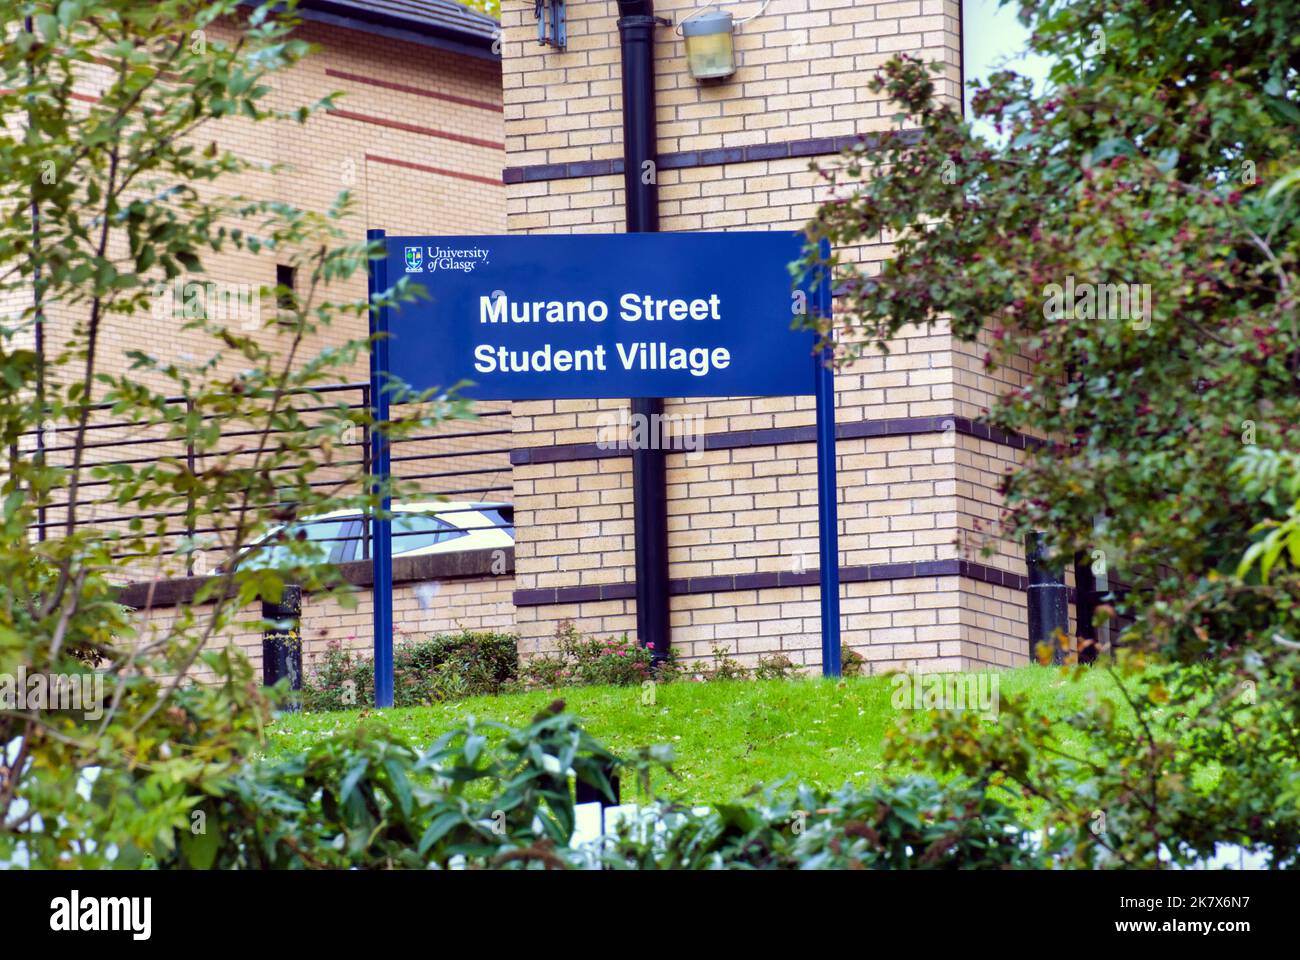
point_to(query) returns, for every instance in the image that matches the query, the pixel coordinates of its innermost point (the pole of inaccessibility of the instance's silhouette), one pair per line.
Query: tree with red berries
(1133, 232)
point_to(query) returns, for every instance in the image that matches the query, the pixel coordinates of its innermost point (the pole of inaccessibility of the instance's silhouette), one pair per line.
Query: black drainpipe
(1047, 598)
(636, 27)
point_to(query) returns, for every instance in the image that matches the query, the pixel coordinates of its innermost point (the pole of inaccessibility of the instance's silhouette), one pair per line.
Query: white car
(419, 528)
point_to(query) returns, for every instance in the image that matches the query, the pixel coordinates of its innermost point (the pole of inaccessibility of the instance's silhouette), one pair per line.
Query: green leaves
(366, 800)
(1168, 765)
(48, 26)
(200, 849)
(1167, 181)
(907, 823)
(1274, 476)
(197, 461)
(1161, 167)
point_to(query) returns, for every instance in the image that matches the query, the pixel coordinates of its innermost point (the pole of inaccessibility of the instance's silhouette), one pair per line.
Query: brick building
(417, 138)
(444, 137)
(918, 477)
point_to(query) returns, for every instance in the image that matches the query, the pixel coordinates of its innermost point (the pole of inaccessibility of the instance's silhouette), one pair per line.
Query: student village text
(637, 355)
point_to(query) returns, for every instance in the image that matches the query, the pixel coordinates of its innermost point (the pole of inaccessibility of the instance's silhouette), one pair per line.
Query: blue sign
(622, 315)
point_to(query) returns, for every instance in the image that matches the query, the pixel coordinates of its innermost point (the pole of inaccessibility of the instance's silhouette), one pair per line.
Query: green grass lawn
(728, 736)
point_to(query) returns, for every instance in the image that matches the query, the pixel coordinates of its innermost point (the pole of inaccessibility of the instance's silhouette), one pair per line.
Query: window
(350, 546)
(326, 540)
(286, 281)
(503, 518)
(413, 532)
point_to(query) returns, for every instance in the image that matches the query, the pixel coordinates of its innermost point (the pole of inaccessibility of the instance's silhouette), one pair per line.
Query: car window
(325, 542)
(350, 547)
(414, 532)
(503, 518)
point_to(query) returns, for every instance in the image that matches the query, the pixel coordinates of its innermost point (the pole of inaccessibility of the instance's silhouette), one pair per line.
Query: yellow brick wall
(396, 140)
(420, 610)
(804, 70)
(804, 66)
(417, 138)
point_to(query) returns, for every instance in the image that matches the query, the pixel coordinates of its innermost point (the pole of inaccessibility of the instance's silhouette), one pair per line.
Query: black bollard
(1049, 610)
(282, 642)
(586, 793)
(1085, 607)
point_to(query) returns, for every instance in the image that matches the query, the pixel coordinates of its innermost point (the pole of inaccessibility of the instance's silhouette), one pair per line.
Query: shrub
(912, 823)
(490, 796)
(496, 796)
(852, 663)
(454, 666)
(1181, 760)
(775, 667)
(583, 661)
(724, 667)
(337, 679)
(443, 667)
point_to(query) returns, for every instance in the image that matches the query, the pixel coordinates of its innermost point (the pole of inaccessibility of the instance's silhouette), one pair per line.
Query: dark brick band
(764, 581)
(414, 128)
(686, 159)
(423, 168)
(778, 436)
(415, 91)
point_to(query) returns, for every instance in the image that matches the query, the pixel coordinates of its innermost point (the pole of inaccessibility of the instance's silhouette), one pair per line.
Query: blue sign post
(828, 534)
(612, 316)
(381, 544)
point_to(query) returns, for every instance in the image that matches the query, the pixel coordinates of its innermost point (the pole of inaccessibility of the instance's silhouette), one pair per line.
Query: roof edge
(445, 37)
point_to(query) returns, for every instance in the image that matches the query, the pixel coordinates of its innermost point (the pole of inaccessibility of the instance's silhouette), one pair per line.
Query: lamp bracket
(552, 29)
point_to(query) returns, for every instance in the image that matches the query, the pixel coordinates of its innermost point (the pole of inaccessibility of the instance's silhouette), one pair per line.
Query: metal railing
(469, 460)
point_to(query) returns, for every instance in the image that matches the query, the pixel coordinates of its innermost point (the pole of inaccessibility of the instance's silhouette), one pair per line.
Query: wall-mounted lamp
(710, 44)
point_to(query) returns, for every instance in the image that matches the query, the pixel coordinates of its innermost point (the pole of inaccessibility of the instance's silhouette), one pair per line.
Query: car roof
(413, 506)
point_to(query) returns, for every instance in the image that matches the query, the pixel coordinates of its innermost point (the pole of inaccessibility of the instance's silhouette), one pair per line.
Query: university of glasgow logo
(414, 260)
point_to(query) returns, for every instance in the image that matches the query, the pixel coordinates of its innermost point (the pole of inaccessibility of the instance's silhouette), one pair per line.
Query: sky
(993, 38)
